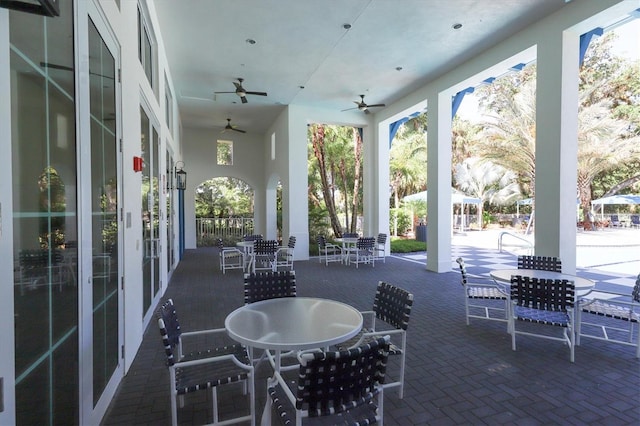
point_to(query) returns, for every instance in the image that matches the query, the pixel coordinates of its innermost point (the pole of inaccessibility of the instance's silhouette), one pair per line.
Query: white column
(439, 182)
(556, 147)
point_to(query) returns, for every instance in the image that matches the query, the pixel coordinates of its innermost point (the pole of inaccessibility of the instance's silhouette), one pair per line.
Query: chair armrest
(210, 360)
(221, 331)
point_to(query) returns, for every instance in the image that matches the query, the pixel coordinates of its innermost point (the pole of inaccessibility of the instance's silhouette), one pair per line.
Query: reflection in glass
(104, 207)
(43, 150)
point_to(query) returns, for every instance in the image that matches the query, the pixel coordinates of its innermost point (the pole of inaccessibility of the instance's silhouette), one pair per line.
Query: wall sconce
(137, 164)
(181, 176)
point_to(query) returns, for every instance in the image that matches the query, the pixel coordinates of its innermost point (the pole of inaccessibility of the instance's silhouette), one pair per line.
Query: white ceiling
(303, 43)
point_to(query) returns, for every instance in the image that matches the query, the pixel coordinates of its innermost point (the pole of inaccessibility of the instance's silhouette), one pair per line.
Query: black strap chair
(488, 291)
(330, 252)
(389, 316)
(343, 387)
(545, 302)
(543, 263)
(204, 369)
(605, 308)
(269, 285)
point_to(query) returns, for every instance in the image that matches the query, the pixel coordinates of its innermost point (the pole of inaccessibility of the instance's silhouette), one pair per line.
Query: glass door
(150, 211)
(104, 212)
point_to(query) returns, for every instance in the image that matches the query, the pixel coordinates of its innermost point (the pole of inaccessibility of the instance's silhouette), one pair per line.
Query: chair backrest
(543, 294)
(365, 243)
(253, 237)
(635, 219)
(220, 244)
(169, 329)
(292, 242)
(350, 235)
(635, 293)
(382, 239)
(265, 246)
(543, 263)
(322, 241)
(463, 271)
(393, 305)
(269, 285)
(333, 382)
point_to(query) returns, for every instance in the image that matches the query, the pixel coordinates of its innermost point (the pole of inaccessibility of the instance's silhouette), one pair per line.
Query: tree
(336, 173)
(486, 181)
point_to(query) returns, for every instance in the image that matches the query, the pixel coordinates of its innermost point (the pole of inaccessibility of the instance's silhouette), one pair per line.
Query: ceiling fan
(240, 91)
(230, 127)
(362, 106)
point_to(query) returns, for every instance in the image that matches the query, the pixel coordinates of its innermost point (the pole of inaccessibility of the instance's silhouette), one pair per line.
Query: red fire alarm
(137, 164)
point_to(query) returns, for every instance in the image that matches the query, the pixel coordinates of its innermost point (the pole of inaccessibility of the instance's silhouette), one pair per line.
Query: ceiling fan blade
(238, 85)
(375, 105)
(348, 109)
(238, 130)
(217, 93)
(244, 99)
(256, 93)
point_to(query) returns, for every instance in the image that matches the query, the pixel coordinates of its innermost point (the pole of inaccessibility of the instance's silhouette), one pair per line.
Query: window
(168, 104)
(273, 146)
(145, 46)
(224, 153)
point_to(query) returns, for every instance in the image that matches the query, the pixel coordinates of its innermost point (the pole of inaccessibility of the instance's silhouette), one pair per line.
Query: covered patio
(456, 374)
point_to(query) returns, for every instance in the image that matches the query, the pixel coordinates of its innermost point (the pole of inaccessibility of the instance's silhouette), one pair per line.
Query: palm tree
(486, 181)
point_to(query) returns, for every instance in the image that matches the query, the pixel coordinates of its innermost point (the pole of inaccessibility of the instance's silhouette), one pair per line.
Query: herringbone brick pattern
(456, 374)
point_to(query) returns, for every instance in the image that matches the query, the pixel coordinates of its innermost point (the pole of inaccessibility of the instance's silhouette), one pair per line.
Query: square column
(557, 147)
(439, 182)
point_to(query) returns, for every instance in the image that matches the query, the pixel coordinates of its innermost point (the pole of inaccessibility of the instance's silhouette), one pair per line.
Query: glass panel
(156, 212)
(169, 251)
(44, 218)
(147, 261)
(104, 207)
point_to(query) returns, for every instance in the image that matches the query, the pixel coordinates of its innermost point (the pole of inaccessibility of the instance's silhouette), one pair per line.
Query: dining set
(353, 249)
(336, 355)
(254, 253)
(539, 293)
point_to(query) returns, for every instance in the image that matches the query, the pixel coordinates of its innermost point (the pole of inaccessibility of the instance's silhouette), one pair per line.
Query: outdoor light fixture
(181, 176)
(39, 7)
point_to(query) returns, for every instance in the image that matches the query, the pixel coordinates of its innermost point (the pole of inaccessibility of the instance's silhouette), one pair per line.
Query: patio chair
(203, 370)
(330, 252)
(489, 291)
(610, 308)
(543, 302)
(615, 221)
(284, 255)
(634, 221)
(342, 387)
(269, 285)
(543, 263)
(389, 316)
(263, 257)
(230, 257)
(364, 251)
(252, 237)
(380, 248)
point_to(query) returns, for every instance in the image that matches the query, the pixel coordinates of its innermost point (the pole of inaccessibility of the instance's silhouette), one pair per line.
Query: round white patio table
(247, 247)
(293, 323)
(348, 246)
(503, 276)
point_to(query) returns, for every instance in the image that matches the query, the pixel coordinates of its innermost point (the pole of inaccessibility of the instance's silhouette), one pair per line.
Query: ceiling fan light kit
(241, 92)
(363, 106)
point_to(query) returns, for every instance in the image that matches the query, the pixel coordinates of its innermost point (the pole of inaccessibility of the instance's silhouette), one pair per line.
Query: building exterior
(89, 140)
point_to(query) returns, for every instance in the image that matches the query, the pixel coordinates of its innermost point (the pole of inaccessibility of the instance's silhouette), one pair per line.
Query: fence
(208, 229)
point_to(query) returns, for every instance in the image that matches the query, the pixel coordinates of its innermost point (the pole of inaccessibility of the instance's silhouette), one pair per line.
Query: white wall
(199, 150)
